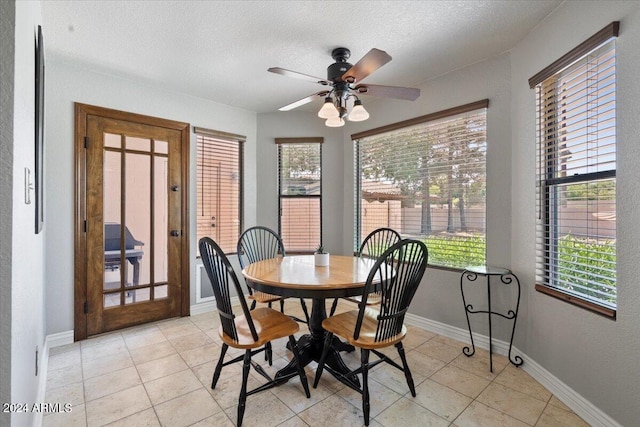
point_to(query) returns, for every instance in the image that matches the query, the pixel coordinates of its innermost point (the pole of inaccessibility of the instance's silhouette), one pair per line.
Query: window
(300, 193)
(576, 175)
(219, 187)
(426, 179)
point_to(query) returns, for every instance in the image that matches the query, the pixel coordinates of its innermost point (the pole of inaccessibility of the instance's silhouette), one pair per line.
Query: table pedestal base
(310, 347)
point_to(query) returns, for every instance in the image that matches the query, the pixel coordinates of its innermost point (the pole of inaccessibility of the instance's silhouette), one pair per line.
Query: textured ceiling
(220, 50)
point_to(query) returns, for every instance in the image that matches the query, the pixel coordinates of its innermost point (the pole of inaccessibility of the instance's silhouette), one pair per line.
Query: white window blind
(576, 175)
(300, 193)
(219, 187)
(426, 178)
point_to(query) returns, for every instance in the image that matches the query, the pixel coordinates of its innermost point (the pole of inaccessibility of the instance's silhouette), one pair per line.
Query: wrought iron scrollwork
(506, 278)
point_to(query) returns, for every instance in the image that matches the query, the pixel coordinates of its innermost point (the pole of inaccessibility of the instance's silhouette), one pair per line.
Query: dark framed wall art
(39, 132)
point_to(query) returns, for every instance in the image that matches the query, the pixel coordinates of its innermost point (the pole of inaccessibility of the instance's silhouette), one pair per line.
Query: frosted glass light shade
(334, 122)
(358, 113)
(328, 110)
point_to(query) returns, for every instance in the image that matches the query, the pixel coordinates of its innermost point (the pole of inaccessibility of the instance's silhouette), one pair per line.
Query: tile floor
(160, 374)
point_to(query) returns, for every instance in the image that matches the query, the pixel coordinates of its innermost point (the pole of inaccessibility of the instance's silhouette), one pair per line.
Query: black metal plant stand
(507, 278)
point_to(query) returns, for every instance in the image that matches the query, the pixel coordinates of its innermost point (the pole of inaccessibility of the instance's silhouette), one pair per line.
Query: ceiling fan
(344, 80)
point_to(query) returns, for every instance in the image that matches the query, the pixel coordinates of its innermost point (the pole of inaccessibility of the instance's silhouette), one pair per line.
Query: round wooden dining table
(297, 276)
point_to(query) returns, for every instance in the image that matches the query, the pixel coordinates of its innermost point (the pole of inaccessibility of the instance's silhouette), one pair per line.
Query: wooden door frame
(82, 111)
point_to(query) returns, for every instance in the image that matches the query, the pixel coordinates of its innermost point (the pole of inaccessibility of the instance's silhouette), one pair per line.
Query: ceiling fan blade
(373, 60)
(303, 101)
(297, 75)
(408, 93)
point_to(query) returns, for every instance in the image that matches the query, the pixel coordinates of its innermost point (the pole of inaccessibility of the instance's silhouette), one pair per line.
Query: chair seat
(344, 324)
(373, 299)
(270, 325)
(262, 297)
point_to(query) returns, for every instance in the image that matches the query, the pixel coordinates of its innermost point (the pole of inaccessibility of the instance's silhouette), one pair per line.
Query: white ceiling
(220, 50)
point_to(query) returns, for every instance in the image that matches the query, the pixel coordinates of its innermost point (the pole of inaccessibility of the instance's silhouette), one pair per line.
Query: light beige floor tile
(441, 400)
(76, 418)
(478, 364)
(191, 341)
(159, 368)
(138, 329)
(180, 330)
(407, 413)
(326, 380)
(152, 352)
(101, 339)
(104, 365)
(147, 337)
(218, 420)
(64, 359)
(146, 418)
(416, 337)
(148, 351)
(187, 409)
(479, 415)
(172, 386)
(116, 406)
(294, 421)
(556, 417)
(439, 351)
(380, 397)
(394, 378)
(461, 381)
(64, 348)
(64, 376)
(559, 404)
(200, 355)
(228, 387)
(518, 405)
(331, 412)
(103, 385)
(292, 394)
(422, 364)
(449, 341)
(70, 393)
(173, 323)
(104, 349)
(517, 379)
(262, 410)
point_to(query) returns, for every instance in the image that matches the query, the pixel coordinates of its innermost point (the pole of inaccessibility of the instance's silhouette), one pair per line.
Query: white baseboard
(51, 341)
(578, 404)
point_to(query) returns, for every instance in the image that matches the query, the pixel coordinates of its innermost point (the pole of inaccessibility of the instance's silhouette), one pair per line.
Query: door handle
(175, 233)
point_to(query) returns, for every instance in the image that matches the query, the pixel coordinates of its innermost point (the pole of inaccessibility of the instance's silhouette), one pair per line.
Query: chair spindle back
(259, 243)
(223, 280)
(399, 271)
(378, 241)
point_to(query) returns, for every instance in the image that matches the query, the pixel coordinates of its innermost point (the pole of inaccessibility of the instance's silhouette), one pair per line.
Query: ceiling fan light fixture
(358, 113)
(328, 110)
(334, 122)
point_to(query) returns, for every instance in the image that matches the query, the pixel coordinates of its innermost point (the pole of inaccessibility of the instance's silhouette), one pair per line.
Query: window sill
(571, 299)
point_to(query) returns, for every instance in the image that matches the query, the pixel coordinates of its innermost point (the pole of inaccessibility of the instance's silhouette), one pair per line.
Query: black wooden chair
(374, 245)
(399, 271)
(252, 330)
(257, 244)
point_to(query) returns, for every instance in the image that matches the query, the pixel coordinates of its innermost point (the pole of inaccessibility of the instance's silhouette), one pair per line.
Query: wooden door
(131, 220)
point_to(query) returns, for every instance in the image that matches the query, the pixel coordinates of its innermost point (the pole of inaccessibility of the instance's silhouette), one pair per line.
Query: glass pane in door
(160, 224)
(138, 214)
(111, 209)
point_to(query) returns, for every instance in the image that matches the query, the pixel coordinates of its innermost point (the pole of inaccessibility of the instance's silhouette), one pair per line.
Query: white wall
(7, 48)
(593, 355)
(27, 296)
(67, 84)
